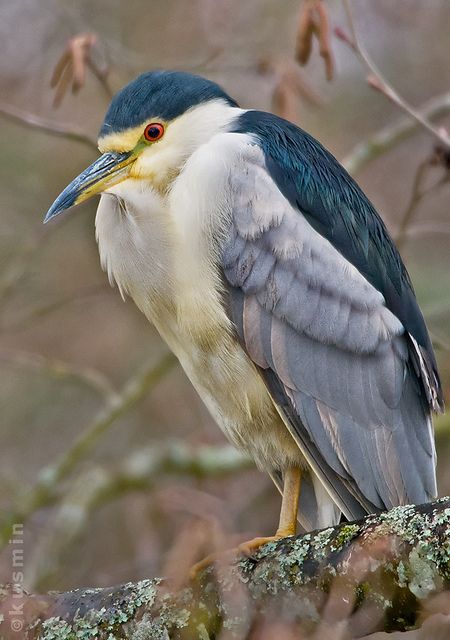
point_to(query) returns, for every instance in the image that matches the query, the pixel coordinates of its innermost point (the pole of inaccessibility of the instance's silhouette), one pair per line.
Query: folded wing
(322, 333)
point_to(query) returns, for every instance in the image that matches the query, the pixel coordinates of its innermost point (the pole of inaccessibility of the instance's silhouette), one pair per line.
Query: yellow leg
(289, 503)
(288, 515)
(287, 525)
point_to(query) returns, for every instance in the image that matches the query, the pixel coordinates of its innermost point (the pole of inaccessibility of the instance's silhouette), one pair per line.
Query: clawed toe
(211, 559)
(249, 547)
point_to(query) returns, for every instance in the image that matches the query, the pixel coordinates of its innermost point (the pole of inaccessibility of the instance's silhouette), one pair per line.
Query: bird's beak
(108, 170)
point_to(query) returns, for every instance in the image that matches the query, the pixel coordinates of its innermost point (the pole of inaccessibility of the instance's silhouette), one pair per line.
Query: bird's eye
(153, 131)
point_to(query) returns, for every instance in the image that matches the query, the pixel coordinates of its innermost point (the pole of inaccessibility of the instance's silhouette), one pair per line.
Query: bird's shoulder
(315, 183)
(311, 178)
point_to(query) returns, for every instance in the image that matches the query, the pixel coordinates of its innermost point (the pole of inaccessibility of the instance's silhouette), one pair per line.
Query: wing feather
(323, 333)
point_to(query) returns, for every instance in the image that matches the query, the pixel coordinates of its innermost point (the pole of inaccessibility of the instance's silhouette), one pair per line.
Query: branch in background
(70, 70)
(137, 472)
(290, 86)
(429, 227)
(440, 343)
(377, 81)
(46, 488)
(418, 193)
(386, 572)
(15, 272)
(27, 320)
(389, 136)
(91, 378)
(49, 126)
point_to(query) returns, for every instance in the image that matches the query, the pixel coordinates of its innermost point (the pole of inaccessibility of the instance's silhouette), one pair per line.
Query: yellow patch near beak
(121, 142)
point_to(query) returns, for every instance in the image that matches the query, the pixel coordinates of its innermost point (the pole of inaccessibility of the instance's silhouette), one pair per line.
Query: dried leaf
(294, 78)
(266, 64)
(305, 33)
(59, 68)
(284, 100)
(70, 70)
(62, 84)
(314, 22)
(324, 39)
(290, 86)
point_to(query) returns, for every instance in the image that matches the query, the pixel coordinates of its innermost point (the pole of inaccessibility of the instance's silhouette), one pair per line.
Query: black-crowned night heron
(272, 278)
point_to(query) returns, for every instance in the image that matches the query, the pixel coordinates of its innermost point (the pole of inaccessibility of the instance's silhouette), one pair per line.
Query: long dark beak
(108, 170)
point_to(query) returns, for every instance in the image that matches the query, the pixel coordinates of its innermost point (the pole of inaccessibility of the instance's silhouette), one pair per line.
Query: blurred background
(107, 457)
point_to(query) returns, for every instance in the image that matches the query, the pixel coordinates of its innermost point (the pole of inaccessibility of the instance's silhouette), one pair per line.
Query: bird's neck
(136, 248)
(173, 282)
(162, 249)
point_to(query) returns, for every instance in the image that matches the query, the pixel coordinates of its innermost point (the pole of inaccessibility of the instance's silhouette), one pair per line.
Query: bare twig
(118, 404)
(418, 193)
(16, 269)
(428, 228)
(378, 81)
(102, 77)
(58, 369)
(49, 478)
(389, 136)
(53, 128)
(21, 323)
(137, 472)
(415, 198)
(290, 86)
(440, 343)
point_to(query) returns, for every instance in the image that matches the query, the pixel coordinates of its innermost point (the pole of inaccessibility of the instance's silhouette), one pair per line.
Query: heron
(272, 278)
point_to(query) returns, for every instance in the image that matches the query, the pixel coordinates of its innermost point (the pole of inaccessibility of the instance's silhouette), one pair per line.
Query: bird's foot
(249, 547)
(212, 559)
(245, 548)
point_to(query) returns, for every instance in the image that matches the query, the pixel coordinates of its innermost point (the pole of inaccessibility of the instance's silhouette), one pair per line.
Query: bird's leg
(287, 525)
(289, 503)
(288, 515)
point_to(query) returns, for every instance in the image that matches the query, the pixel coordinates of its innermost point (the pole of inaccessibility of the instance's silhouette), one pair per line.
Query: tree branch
(54, 368)
(137, 472)
(418, 193)
(377, 81)
(44, 491)
(381, 573)
(387, 137)
(36, 122)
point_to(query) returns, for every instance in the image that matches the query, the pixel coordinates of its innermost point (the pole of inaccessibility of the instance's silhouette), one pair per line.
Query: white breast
(162, 253)
(136, 244)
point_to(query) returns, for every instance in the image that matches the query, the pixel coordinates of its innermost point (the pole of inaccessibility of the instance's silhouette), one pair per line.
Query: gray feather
(339, 354)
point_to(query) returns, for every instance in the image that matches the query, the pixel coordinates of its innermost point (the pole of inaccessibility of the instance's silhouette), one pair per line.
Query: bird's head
(150, 129)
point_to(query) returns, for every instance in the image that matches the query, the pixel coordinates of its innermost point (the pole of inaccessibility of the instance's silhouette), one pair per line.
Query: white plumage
(165, 248)
(297, 355)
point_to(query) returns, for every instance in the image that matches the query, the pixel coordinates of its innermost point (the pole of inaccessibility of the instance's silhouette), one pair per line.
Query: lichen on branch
(377, 574)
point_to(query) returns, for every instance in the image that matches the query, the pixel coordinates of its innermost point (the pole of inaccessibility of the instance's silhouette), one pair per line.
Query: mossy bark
(376, 574)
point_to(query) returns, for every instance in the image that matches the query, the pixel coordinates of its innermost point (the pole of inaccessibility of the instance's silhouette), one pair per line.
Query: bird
(274, 281)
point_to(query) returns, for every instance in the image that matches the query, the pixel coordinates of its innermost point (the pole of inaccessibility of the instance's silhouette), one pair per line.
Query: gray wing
(338, 355)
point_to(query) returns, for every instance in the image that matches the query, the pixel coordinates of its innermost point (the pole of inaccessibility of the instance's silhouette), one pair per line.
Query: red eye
(153, 131)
